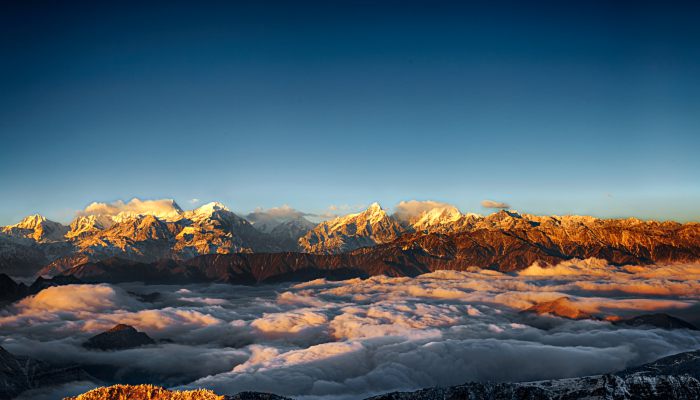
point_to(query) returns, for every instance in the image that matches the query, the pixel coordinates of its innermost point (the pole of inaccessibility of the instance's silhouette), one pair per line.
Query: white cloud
(494, 204)
(162, 207)
(195, 201)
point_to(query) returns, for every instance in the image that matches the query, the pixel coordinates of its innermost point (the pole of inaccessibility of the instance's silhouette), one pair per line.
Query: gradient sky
(562, 107)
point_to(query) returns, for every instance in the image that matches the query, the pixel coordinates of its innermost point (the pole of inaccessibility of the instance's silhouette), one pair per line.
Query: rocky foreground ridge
(373, 241)
(671, 378)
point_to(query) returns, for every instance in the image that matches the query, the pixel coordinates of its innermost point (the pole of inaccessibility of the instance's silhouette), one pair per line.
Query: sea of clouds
(350, 339)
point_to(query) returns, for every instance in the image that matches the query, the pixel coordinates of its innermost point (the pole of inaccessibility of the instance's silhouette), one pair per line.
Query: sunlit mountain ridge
(429, 238)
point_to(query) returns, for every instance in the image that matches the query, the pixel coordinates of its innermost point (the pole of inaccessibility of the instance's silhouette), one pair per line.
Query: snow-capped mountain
(86, 225)
(370, 227)
(209, 229)
(146, 231)
(38, 228)
(443, 219)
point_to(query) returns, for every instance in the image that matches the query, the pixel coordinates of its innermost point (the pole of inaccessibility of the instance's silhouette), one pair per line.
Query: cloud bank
(494, 204)
(350, 339)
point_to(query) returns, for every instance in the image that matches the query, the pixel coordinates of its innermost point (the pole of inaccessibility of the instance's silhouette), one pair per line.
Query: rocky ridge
(119, 337)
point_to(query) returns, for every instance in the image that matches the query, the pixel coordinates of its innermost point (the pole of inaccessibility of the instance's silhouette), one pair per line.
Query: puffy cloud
(195, 201)
(162, 207)
(408, 210)
(494, 204)
(296, 323)
(76, 298)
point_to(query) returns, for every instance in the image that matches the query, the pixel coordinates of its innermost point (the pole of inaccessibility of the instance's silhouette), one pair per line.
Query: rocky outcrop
(150, 392)
(11, 291)
(145, 392)
(120, 337)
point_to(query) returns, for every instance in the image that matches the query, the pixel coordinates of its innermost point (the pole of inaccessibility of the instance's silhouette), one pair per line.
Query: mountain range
(372, 241)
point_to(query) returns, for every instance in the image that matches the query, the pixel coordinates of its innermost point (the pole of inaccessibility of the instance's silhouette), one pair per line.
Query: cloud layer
(353, 338)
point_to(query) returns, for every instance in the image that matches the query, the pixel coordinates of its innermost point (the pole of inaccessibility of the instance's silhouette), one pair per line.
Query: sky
(577, 107)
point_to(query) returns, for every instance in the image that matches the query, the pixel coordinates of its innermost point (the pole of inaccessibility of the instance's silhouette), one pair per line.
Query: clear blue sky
(561, 107)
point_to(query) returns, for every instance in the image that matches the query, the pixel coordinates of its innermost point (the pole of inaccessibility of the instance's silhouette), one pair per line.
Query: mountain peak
(375, 207)
(349, 232)
(31, 221)
(37, 227)
(210, 208)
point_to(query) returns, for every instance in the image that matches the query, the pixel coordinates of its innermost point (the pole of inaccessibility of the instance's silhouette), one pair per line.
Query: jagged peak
(31, 221)
(374, 213)
(210, 208)
(375, 207)
(37, 227)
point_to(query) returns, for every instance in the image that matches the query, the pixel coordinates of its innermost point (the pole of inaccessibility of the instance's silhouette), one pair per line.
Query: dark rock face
(119, 338)
(11, 291)
(19, 374)
(660, 320)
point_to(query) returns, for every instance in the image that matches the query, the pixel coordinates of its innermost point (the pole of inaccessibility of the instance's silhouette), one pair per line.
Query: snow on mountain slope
(367, 228)
(284, 224)
(38, 228)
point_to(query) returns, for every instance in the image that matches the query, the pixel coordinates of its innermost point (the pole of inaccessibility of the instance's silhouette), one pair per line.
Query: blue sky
(578, 107)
